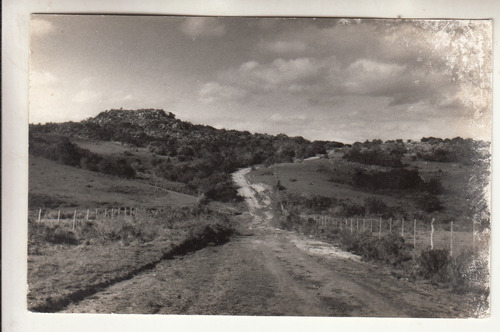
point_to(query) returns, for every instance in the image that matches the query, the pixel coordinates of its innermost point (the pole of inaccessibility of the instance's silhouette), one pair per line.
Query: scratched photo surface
(259, 166)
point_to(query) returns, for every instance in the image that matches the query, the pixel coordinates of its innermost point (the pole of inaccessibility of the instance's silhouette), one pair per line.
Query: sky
(328, 79)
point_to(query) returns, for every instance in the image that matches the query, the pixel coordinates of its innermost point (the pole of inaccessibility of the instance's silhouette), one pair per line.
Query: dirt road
(267, 271)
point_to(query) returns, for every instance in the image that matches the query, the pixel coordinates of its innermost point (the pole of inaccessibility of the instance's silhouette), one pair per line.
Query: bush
(118, 167)
(60, 236)
(433, 263)
(468, 272)
(390, 249)
(396, 179)
(428, 202)
(434, 186)
(376, 207)
(38, 201)
(374, 156)
(348, 210)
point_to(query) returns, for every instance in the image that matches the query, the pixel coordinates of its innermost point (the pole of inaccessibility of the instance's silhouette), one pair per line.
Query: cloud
(284, 46)
(41, 27)
(298, 75)
(370, 77)
(289, 118)
(195, 27)
(42, 78)
(212, 91)
(86, 96)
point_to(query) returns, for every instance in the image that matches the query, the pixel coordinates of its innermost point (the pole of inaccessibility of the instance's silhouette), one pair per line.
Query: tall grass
(465, 272)
(196, 222)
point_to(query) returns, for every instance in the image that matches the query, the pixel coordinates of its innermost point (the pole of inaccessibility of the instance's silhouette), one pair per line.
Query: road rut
(271, 272)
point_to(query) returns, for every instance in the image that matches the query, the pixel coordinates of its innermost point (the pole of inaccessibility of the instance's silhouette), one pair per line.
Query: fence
(76, 216)
(422, 235)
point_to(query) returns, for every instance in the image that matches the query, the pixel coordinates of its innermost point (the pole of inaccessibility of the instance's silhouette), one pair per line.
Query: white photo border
(15, 69)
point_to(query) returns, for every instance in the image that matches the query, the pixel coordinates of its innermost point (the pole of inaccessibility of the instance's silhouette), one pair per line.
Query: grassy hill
(52, 185)
(337, 186)
(152, 145)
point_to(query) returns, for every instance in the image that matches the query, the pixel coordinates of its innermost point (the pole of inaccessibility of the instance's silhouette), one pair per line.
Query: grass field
(74, 187)
(331, 178)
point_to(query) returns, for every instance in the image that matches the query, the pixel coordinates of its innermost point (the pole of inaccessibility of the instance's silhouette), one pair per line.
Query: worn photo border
(15, 84)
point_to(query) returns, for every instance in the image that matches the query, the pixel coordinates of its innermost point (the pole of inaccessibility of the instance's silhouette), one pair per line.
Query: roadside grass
(465, 272)
(65, 265)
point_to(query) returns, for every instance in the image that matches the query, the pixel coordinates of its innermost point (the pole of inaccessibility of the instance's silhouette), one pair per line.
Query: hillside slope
(54, 185)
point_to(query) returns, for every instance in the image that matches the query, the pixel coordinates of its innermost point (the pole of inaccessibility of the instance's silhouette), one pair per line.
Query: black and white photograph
(249, 166)
(259, 166)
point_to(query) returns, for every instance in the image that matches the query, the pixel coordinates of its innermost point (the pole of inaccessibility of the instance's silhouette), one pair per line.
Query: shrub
(348, 210)
(391, 249)
(428, 202)
(468, 271)
(434, 186)
(118, 167)
(433, 263)
(36, 201)
(396, 179)
(376, 207)
(374, 156)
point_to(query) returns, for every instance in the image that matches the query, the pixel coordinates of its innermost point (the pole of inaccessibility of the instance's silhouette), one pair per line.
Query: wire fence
(77, 216)
(419, 233)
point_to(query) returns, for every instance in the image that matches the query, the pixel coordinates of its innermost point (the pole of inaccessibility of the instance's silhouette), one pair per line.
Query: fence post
(96, 213)
(451, 240)
(39, 215)
(87, 214)
(351, 225)
(414, 233)
(390, 225)
(371, 226)
(357, 224)
(473, 236)
(432, 234)
(403, 227)
(380, 229)
(58, 215)
(74, 220)
(363, 225)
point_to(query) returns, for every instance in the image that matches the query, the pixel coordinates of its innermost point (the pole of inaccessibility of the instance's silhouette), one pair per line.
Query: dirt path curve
(268, 271)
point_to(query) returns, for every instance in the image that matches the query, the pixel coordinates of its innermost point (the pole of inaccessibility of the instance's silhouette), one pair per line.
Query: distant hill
(199, 156)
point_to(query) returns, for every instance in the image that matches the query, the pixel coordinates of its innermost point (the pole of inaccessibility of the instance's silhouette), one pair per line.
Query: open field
(75, 187)
(332, 178)
(311, 178)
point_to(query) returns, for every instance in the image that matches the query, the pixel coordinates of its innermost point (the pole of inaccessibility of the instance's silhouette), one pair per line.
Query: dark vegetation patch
(44, 201)
(464, 151)
(62, 150)
(374, 156)
(394, 179)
